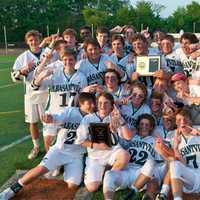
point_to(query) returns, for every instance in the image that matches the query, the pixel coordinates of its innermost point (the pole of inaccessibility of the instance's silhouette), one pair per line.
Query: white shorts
(73, 166)
(33, 112)
(189, 176)
(95, 167)
(50, 129)
(115, 180)
(160, 171)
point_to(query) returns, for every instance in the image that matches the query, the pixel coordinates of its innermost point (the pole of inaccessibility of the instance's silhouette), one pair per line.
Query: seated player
(99, 153)
(140, 168)
(183, 159)
(64, 152)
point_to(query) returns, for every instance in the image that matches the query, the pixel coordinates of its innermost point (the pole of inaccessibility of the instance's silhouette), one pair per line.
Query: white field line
(9, 85)
(4, 148)
(10, 112)
(4, 69)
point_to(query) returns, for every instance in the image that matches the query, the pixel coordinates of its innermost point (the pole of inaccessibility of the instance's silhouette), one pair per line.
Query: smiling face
(139, 47)
(87, 106)
(93, 52)
(69, 62)
(180, 86)
(168, 122)
(102, 38)
(156, 105)
(138, 97)
(182, 121)
(104, 106)
(70, 41)
(145, 127)
(117, 46)
(185, 45)
(33, 42)
(111, 80)
(166, 46)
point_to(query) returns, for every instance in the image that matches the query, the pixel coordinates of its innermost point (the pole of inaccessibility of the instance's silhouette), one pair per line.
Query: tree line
(23, 15)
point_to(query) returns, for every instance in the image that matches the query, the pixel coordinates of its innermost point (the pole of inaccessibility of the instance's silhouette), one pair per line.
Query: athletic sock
(178, 198)
(134, 188)
(36, 143)
(165, 189)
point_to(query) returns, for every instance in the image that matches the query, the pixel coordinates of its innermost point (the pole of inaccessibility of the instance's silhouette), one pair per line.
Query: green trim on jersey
(48, 102)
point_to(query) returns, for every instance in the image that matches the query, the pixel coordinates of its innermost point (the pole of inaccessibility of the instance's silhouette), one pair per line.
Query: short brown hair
(108, 96)
(69, 31)
(139, 36)
(90, 42)
(156, 95)
(148, 117)
(85, 96)
(118, 37)
(168, 37)
(33, 33)
(189, 36)
(67, 52)
(142, 87)
(184, 112)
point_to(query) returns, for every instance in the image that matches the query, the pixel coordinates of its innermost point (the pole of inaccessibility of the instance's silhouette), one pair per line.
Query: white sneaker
(7, 194)
(56, 172)
(34, 153)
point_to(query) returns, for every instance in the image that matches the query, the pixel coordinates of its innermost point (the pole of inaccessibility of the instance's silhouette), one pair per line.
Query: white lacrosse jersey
(190, 66)
(83, 134)
(21, 61)
(62, 88)
(141, 150)
(69, 120)
(171, 63)
(94, 72)
(130, 114)
(189, 148)
(120, 93)
(129, 68)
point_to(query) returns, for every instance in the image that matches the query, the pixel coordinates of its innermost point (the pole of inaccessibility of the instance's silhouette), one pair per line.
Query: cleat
(34, 153)
(161, 196)
(130, 195)
(146, 197)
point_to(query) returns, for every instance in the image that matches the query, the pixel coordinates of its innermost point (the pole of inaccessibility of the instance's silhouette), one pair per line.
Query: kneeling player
(141, 165)
(64, 152)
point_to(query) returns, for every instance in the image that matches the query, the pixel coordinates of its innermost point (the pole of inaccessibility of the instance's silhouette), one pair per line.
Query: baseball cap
(178, 76)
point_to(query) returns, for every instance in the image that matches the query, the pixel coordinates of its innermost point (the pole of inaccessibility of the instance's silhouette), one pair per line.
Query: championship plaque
(147, 65)
(100, 133)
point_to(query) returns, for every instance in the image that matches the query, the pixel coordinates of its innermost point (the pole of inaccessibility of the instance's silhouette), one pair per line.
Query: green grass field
(12, 127)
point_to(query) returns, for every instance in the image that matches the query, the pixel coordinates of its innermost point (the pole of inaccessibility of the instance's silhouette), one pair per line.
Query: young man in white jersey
(64, 83)
(64, 152)
(184, 170)
(96, 63)
(102, 35)
(136, 105)
(169, 59)
(140, 168)
(24, 68)
(99, 153)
